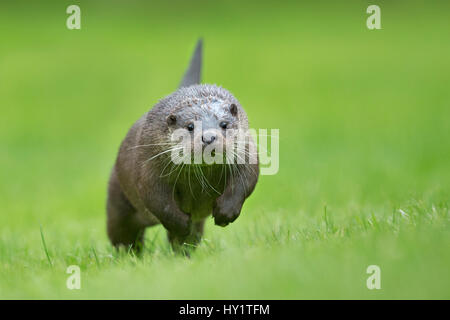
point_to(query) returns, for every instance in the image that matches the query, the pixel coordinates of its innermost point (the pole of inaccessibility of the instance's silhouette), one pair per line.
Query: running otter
(148, 187)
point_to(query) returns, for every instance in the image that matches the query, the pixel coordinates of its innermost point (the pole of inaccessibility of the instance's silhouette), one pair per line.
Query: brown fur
(142, 193)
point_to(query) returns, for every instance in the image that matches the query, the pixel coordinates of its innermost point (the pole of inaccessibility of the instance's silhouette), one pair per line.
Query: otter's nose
(208, 137)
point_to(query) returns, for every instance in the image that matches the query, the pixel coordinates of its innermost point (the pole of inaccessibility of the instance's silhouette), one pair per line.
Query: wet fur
(145, 189)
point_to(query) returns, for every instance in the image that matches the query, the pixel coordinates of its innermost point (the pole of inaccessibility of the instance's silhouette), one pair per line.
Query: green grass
(364, 148)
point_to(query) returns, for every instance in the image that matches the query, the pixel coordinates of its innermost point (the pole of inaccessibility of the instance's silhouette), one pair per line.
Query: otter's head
(203, 121)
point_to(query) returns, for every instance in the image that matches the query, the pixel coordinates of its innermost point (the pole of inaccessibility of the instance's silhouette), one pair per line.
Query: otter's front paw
(225, 211)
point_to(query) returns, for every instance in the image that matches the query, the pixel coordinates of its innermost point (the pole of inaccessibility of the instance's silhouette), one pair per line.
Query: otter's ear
(233, 109)
(171, 120)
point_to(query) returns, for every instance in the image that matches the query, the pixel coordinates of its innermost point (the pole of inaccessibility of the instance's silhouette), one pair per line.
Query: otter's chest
(198, 205)
(195, 194)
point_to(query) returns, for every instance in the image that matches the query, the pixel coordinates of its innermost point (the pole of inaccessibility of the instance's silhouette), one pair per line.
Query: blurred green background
(364, 133)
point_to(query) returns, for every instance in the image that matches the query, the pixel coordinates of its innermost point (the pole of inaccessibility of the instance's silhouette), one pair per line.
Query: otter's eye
(223, 124)
(190, 126)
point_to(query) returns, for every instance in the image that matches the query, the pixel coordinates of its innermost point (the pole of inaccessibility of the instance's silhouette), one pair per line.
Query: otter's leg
(122, 225)
(186, 244)
(228, 206)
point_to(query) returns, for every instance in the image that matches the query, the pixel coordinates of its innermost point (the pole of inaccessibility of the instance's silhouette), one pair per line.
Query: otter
(147, 187)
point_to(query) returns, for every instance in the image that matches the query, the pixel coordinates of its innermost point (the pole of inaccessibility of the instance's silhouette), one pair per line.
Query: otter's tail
(193, 73)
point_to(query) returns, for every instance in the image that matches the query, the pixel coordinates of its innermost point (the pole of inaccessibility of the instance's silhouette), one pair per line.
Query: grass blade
(45, 247)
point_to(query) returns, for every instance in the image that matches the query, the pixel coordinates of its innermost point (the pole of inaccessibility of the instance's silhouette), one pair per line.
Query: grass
(364, 148)
(44, 245)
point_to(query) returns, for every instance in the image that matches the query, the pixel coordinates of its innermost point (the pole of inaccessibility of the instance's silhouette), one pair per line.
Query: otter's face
(205, 130)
